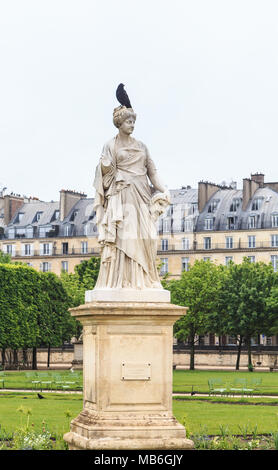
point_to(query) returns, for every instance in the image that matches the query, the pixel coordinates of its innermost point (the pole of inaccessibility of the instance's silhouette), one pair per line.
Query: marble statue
(128, 200)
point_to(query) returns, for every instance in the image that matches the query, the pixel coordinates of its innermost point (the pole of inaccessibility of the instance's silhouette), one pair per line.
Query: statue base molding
(127, 367)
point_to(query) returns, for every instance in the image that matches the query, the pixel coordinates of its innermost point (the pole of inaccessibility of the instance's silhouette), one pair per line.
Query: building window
(164, 244)
(228, 260)
(256, 204)
(10, 249)
(84, 248)
(229, 242)
(45, 267)
(213, 205)
(252, 221)
(274, 262)
(65, 266)
(164, 267)
(185, 244)
(166, 226)
(11, 233)
(185, 264)
(208, 224)
(231, 223)
(274, 220)
(235, 205)
(45, 250)
(186, 225)
(252, 241)
(27, 250)
(207, 243)
(274, 240)
(37, 217)
(251, 259)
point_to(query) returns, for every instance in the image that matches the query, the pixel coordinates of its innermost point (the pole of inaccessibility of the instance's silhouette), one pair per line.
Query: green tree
(87, 272)
(5, 257)
(245, 291)
(199, 290)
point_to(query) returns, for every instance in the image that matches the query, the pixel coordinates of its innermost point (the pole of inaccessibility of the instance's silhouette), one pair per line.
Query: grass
(56, 410)
(215, 414)
(184, 380)
(199, 413)
(19, 380)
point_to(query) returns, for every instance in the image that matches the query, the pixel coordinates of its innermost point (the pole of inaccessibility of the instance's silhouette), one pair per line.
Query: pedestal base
(91, 431)
(127, 363)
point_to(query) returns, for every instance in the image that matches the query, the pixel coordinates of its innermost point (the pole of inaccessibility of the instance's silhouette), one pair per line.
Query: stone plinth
(127, 365)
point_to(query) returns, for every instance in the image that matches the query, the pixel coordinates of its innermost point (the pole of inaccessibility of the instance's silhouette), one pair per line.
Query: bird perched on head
(122, 96)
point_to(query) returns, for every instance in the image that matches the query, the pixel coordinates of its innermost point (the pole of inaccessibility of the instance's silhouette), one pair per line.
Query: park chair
(33, 379)
(240, 385)
(58, 381)
(216, 386)
(43, 380)
(255, 383)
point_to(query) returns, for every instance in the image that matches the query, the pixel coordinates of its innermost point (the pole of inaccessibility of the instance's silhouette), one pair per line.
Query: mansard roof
(222, 201)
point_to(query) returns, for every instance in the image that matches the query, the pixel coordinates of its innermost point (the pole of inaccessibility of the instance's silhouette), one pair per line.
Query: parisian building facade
(216, 222)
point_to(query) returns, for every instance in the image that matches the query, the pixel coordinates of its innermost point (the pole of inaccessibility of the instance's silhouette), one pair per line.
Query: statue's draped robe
(127, 231)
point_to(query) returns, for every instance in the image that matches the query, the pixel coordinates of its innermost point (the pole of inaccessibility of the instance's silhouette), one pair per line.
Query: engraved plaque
(136, 371)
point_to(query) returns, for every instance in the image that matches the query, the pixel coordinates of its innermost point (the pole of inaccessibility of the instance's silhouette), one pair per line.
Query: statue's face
(128, 126)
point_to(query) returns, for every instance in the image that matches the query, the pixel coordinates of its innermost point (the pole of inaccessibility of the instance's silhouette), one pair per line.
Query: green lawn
(22, 380)
(184, 380)
(56, 410)
(197, 414)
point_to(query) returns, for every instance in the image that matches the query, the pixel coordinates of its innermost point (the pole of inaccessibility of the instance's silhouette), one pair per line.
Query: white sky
(202, 76)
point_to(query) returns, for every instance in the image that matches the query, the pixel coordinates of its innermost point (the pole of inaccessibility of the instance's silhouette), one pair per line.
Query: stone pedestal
(127, 366)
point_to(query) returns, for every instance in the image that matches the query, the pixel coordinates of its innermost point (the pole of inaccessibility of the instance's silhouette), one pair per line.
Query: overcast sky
(202, 76)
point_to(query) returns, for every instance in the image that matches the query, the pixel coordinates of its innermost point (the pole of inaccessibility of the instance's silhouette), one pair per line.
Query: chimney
(11, 205)
(205, 191)
(249, 188)
(68, 199)
(258, 178)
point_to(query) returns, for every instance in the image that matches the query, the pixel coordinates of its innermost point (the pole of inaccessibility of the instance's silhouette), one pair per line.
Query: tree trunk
(3, 357)
(34, 359)
(250, 366)
(48, 356)
(192, 351)
(238, 352)
(15, 359)
(25, 357)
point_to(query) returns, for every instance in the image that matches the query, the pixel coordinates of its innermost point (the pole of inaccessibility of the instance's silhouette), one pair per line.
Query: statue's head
(124, 117)
(122, 114)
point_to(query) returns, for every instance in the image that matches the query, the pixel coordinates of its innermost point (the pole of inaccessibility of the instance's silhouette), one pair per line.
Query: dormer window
(274, 220)
(56, 215)
(257, 203)
(213, 205)
(252, 221)
(235, 205)
(73, 215)
(19, 217)
(231, 223)
(208, 223)
(37, 217)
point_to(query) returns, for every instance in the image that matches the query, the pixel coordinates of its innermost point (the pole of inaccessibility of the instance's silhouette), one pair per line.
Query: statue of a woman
(127, 207)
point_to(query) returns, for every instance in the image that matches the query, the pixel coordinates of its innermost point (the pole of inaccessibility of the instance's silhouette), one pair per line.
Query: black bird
(122, 96)
(192, 393)
(40, 396)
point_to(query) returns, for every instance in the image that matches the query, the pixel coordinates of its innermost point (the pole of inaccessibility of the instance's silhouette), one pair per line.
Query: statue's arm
(153, 174)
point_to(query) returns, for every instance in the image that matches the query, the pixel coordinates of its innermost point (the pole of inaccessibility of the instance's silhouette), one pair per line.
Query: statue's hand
(159, 203)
